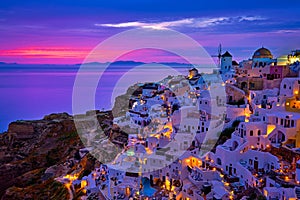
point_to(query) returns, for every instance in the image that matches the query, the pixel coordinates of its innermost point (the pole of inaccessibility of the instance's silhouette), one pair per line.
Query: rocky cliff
(34, 153)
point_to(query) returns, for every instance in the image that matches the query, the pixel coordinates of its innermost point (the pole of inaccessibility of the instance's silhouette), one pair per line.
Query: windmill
(219, 55)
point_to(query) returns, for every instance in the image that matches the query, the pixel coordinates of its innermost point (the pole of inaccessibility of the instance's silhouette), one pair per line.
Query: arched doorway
(277, 138)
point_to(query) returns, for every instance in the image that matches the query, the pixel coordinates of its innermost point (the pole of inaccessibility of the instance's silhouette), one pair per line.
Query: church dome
(262, 53)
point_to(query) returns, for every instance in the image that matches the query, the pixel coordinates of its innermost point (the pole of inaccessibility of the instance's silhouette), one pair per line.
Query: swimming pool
(147, 189)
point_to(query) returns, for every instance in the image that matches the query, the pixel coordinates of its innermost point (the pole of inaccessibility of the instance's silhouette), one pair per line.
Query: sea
(31, 91)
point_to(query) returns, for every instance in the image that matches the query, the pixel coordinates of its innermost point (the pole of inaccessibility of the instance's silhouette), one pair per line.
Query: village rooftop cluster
(186, 143)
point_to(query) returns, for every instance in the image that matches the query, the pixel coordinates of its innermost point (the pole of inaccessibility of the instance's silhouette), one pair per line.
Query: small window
(251, 133)
(284, 86)
(259, 132)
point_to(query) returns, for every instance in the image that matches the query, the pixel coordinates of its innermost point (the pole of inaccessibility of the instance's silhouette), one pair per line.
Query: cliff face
(28, 148)
(33, 153)
(21, 130)
(122, 102)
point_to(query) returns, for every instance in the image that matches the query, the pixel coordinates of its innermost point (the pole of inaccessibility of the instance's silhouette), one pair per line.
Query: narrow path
(70, 191)
(68, 185)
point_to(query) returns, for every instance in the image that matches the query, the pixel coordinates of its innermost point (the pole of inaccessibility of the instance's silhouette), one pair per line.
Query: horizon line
(119, 61)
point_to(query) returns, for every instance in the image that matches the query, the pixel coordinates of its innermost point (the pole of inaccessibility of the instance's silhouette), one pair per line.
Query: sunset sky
(65, 31)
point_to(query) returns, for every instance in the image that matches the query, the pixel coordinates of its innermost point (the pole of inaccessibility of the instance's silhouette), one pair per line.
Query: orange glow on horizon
(52, 55)
(47, 52)
(78, 54)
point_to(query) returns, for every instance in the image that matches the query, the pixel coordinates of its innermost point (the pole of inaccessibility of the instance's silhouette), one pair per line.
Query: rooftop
(262, 53)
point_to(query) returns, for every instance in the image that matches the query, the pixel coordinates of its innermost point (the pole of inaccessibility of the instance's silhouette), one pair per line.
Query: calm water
(32, 91)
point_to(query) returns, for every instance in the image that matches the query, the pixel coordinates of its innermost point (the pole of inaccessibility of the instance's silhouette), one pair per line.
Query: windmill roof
(226, 54)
